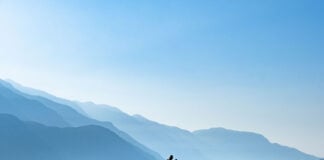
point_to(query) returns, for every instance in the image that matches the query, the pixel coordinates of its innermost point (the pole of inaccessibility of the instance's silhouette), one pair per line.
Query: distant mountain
(27, 109)
(161, 138)
(235, 145)
(212, 144)
(33, 141)
(35, 92)
(67, 113)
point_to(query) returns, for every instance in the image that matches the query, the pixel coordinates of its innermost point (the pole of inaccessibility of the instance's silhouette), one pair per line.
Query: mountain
(35, 92)
(67, 113)
(33, 141)
(164, 139)
(236, 145)
(212, 144)
(27, 109)
(161, 138)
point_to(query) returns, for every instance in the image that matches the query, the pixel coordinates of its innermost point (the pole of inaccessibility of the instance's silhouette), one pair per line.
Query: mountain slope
(35, 92)
(217, 144)
(162, 138)
(66, 112)
(27, 109)
(77, 119)
(235, 145)
(223, 144)
(28, 140)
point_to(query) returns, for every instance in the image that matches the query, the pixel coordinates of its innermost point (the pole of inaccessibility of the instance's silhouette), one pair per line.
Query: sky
(245, 65)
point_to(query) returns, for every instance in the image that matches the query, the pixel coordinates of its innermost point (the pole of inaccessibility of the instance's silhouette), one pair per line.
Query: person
(170, 158)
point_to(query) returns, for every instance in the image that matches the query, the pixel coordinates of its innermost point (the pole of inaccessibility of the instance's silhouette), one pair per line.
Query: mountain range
(84, 130)
(34, 141)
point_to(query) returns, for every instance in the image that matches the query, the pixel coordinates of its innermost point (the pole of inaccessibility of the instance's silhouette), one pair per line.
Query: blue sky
(251, 65)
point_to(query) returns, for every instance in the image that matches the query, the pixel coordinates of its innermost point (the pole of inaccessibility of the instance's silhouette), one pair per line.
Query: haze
(255, 66)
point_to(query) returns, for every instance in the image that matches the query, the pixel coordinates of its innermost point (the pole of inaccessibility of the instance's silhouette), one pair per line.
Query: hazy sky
(252, 65)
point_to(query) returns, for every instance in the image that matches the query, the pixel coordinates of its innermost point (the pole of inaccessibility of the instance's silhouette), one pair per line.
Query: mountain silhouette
(27, 109)
(237, 145)
(212, 144)
(33, 141)
(67, 114)
(161, 138)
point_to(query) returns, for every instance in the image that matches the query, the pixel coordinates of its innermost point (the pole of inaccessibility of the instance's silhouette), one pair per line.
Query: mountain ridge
(169, 139)
(31, 140)
(68, 114)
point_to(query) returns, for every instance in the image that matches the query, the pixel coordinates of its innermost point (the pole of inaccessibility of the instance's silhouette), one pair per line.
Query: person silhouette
(170, 158)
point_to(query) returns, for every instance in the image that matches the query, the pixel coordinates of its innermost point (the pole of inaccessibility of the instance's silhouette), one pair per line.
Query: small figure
(170, 158)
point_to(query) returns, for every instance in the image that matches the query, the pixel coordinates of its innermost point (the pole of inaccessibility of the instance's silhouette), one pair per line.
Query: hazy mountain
(35, 92)
(161, 138)
(77, 119)
(66, 113)
(32, 141)
(212, 144)
(27, 109)
(235, 145)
